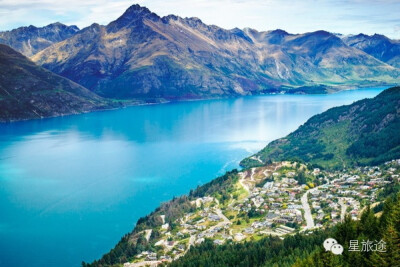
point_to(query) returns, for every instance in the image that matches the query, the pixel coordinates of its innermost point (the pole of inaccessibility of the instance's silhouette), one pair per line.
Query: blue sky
(294, 16)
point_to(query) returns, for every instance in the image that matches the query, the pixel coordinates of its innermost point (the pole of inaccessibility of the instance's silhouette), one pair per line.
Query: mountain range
(143, 57)
(378, 46)
(30, 40)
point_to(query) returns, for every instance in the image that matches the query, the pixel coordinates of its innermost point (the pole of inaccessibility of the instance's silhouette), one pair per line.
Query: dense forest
(363, 133)
(269, 251)
(370, 228)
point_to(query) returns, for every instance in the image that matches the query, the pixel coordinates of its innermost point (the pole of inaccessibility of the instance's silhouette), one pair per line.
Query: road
(142, 264)
(257, 159)
(148, 234)
(307, 210)
(191, 242)
(253, 171)
(343, 210)
(221, 215)
(241, 182)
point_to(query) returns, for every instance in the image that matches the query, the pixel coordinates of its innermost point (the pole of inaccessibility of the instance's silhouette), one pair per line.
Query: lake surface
(70, 187)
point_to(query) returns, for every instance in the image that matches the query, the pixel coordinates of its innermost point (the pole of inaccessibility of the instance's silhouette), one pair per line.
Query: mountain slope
(378, 46)
(30, 40)
(365, 132)
(28, 91)
(142, 55)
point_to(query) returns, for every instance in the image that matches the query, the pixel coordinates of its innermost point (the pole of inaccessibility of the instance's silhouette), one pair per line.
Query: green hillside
(363, 133)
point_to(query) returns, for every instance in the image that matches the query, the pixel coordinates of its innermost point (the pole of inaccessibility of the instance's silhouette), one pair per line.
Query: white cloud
(344, 16)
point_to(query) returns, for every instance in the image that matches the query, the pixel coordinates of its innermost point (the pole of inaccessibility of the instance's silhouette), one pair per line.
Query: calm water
(71, 187)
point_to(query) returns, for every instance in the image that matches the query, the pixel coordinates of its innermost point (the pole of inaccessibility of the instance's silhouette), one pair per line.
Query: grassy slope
(28, 91)
(365, 132)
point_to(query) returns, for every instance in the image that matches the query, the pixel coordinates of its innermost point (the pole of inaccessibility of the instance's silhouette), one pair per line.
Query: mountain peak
(322, 33)
(29, 40)
(379, 36)
(136, 9)
(360, 35)
(57, 23)
(62, 26)
(132, 16)
(279, 32)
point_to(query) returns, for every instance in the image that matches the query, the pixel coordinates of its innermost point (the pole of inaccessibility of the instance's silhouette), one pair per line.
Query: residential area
(279, 199)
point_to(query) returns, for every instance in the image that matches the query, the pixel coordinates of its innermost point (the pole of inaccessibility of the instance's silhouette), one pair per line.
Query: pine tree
(368, 224)
(391, 257)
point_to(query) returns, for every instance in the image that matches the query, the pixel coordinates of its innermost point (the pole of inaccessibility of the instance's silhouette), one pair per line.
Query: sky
(294, 16)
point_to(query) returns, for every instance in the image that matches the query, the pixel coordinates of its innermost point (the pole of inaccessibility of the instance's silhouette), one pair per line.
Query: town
(279, 199)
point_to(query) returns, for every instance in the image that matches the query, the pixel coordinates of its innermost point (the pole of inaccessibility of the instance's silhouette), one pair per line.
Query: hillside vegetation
(363, 133)
(28, 91)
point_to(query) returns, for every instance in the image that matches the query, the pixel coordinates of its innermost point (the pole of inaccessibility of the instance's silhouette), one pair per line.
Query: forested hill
(363, 133)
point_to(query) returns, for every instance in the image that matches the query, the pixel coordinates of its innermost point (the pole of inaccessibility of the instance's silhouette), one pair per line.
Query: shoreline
(165, 101)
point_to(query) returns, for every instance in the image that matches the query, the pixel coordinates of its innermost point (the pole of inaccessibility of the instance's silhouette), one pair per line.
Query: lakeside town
(279, 199)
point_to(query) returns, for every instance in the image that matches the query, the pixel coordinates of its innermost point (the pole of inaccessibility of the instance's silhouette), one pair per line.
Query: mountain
(378, 46)
(28, 91)
(30, 40)
(365, 132)
(142, 55)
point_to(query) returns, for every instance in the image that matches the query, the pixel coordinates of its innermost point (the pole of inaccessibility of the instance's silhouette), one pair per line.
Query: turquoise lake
(70, 187)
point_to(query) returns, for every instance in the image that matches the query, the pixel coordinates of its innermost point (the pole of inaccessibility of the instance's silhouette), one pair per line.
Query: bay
(70, 187)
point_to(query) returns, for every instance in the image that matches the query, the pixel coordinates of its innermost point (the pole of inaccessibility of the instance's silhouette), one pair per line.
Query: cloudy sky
(294, 16)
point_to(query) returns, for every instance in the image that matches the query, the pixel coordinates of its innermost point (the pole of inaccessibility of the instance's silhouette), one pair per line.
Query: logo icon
(333, 246)
(337, 249)
(328, 243)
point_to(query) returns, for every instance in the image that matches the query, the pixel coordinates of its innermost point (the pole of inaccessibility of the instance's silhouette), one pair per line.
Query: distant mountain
(28, 91)
(30, 40)
(378, 46)
(365, 132)
(142, 55)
